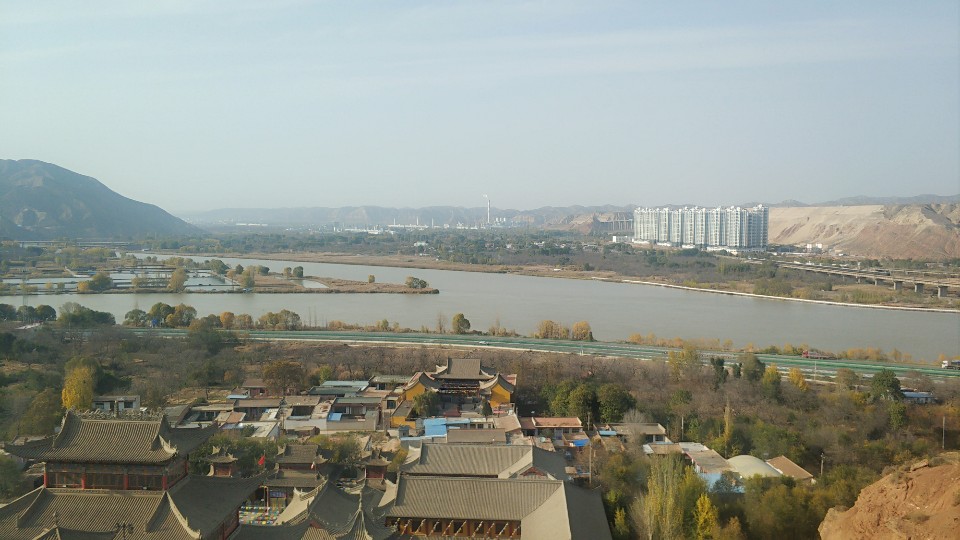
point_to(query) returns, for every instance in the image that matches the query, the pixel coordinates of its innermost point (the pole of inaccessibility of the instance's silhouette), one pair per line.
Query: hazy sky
(247, 103)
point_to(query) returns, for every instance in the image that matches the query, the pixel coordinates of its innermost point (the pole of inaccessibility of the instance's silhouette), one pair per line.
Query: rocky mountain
(43, 201)
(918, 501)
(929, 231)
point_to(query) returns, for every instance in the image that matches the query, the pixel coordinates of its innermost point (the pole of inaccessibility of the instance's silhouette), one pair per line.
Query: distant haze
(197, 105)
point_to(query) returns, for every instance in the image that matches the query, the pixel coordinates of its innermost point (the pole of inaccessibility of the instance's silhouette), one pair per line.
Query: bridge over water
(941, 282)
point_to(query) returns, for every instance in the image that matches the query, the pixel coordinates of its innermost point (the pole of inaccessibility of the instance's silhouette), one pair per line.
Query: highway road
(594, 348)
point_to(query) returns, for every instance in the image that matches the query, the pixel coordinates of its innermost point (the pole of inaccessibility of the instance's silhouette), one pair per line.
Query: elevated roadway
(594, 348)
(939, 282)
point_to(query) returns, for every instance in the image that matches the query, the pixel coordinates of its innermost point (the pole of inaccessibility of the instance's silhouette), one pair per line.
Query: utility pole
(590, 446)
(822, 456)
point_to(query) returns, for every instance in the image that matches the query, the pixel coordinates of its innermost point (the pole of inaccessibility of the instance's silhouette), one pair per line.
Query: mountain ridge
(452, 215)
(40, 200)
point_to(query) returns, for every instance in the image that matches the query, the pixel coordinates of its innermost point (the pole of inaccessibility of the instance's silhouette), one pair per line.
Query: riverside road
(592, 348)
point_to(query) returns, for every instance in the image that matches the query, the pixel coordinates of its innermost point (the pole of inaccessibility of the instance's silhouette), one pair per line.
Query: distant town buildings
(732, 228)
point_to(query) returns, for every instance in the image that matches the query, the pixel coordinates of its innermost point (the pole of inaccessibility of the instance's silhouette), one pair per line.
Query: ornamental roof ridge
(98, 414)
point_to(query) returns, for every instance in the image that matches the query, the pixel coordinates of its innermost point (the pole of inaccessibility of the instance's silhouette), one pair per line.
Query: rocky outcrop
(913, 502)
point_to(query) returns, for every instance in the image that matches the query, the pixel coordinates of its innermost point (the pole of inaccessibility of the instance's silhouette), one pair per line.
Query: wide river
(614, 310)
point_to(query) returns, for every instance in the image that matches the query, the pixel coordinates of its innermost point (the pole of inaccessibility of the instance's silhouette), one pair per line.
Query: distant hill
(376, 215)
(923, 231)
(43, 201)
(863, 200)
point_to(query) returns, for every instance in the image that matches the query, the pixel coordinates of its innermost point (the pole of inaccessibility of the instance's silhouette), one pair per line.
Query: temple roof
(498, 380)
(89, 437)
(503, 461)
(546, 509)
(463, 369)
(306, 480)
(571, 512)
(470, 498)
(424, 379)
(333, 514)
(300, 454)
(194, 507)
(204, 501)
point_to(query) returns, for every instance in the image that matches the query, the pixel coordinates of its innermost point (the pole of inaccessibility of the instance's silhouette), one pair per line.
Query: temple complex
(463, 383)
(106, 475)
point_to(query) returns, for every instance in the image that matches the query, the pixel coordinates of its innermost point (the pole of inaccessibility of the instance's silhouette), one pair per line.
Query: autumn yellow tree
(707, 518)
(582, 331)
(796, 377)
(548, 329)
(78, 389)
(685, 363)
(178, 280)
(227, 319)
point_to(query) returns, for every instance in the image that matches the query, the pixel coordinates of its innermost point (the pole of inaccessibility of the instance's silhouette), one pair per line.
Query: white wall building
(733, 228)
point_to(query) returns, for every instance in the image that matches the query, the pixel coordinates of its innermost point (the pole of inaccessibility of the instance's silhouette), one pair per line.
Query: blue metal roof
(335, 416)
(435, 427)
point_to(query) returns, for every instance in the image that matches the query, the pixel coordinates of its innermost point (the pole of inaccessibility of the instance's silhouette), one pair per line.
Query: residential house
(117, 403)
(786, 467)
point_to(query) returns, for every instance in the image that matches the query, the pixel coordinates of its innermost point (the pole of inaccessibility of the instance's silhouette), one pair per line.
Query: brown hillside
(929, 231)
(920, 503)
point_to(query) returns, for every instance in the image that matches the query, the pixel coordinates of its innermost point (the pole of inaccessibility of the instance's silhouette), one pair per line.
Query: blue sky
(196, 105)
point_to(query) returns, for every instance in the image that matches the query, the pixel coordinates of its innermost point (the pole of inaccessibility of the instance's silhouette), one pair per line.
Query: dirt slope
(930, 231)
(907, 504)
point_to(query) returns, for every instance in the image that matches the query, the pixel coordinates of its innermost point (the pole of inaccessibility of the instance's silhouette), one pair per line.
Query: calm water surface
(614, 310)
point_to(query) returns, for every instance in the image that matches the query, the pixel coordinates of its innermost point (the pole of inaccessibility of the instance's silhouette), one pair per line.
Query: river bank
(431, 263)
(768, 297)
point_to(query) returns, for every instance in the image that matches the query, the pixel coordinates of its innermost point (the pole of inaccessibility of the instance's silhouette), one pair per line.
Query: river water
(614, 310)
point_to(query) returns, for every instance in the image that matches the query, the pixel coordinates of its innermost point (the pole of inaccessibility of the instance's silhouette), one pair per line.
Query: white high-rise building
(732, 227)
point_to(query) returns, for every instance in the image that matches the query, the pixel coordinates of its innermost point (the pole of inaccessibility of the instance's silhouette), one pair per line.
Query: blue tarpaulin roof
(435, 427)
(581, 442)
(335, 416)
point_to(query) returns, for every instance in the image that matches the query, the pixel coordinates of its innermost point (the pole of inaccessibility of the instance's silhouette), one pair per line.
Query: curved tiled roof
(475, 498)
(571, 512)
(499, 379)
(303, 454)
(113, 440)
(203, 501)
(422, 378)
(484, 460)
(462, 369)
(91, 512)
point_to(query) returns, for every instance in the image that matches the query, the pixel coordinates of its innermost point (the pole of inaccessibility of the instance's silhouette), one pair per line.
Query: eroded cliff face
(921, 501)
(930, 231)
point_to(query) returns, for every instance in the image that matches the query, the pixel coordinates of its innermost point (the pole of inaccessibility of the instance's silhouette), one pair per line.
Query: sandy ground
(897, 232)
